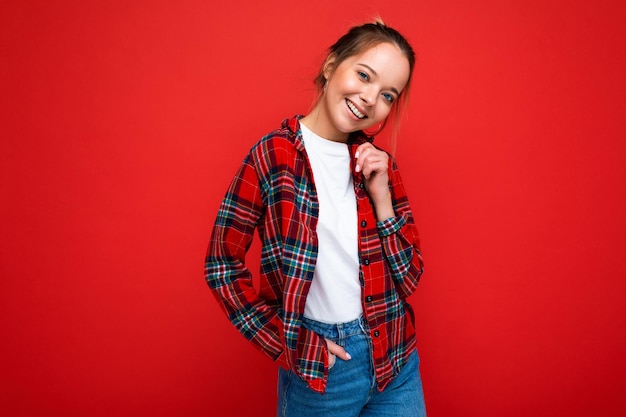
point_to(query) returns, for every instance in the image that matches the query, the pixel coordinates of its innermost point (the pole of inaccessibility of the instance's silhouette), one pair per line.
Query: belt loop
(363, 325)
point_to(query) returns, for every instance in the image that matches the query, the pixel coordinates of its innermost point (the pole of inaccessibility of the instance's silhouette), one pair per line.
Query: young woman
(340, 250)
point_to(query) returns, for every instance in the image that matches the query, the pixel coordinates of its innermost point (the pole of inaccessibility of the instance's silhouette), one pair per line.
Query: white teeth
(356, 112)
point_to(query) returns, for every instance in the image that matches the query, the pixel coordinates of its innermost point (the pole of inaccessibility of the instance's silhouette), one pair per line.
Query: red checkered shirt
(273, 191)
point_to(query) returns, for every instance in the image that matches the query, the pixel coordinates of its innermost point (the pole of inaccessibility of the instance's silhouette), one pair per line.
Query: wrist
(383, 207)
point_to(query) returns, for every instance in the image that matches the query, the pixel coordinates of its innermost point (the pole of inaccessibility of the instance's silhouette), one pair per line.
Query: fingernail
(356, 155)
(348, 355)
(357, 169)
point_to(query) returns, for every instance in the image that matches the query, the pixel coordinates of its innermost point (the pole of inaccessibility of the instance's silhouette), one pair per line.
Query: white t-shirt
(335, 293)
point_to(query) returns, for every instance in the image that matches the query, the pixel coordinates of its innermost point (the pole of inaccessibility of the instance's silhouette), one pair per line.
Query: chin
(349, 126)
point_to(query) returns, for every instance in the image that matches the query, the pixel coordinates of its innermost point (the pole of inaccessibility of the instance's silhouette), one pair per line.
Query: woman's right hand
(336, 351)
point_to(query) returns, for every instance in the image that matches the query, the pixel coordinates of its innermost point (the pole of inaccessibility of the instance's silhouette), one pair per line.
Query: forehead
(388, 61)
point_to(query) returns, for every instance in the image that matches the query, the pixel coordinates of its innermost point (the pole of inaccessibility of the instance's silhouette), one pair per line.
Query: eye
(388, 97)
(363, 75)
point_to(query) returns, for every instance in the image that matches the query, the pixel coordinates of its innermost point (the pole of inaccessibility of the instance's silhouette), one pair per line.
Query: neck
(319, 123)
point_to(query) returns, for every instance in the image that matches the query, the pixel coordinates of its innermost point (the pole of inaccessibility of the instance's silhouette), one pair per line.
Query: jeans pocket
(332, 360)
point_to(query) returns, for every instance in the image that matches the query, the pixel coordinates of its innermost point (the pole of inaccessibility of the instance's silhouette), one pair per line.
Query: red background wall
(123, 122)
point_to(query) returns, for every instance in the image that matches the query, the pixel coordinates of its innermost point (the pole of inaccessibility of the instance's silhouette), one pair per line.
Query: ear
(329, 66)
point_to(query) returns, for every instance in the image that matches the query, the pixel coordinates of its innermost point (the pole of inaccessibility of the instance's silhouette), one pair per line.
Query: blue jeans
(351, 390)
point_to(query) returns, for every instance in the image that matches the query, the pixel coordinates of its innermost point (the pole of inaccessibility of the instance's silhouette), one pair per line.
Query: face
(360, 92)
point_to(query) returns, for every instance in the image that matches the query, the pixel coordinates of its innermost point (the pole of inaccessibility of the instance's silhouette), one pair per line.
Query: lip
(350, 104)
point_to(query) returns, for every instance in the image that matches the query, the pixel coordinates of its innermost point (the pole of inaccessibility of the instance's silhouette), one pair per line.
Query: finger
(369, 159)
(360, 154)
(362, 147)
(331, 360)
(337, 350)
(373, 164)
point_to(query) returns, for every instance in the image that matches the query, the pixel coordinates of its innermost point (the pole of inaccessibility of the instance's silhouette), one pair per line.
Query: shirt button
(361, 186)
(369, 298)
(376, 333)
(366, 261)
(363, 223)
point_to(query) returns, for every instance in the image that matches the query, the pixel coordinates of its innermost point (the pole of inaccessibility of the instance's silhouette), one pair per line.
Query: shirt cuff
(390, 225)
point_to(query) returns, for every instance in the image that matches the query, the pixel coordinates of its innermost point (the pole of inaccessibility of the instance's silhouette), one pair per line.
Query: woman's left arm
(400, 239)
(396, 227)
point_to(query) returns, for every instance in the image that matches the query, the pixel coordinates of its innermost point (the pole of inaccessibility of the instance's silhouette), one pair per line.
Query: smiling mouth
(354, 110)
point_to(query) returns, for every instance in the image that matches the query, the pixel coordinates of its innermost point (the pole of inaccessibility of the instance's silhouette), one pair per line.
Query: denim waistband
(335, 331)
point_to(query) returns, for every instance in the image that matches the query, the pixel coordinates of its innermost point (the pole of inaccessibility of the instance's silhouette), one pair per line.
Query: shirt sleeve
(225, 269)
(400, 239)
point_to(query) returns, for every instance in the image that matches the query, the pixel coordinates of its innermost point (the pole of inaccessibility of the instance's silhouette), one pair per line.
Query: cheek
(382, 111)
(344, 83)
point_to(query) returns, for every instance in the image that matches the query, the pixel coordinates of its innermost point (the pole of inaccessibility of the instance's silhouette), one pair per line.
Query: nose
(368, 95)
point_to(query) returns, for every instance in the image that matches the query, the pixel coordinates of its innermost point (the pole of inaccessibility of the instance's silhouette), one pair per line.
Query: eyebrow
(376, 74)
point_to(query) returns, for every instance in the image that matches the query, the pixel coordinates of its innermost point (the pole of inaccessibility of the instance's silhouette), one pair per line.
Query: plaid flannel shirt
(273, 192)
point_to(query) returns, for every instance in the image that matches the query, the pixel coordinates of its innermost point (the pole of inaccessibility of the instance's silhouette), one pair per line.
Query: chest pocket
(307, 203)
